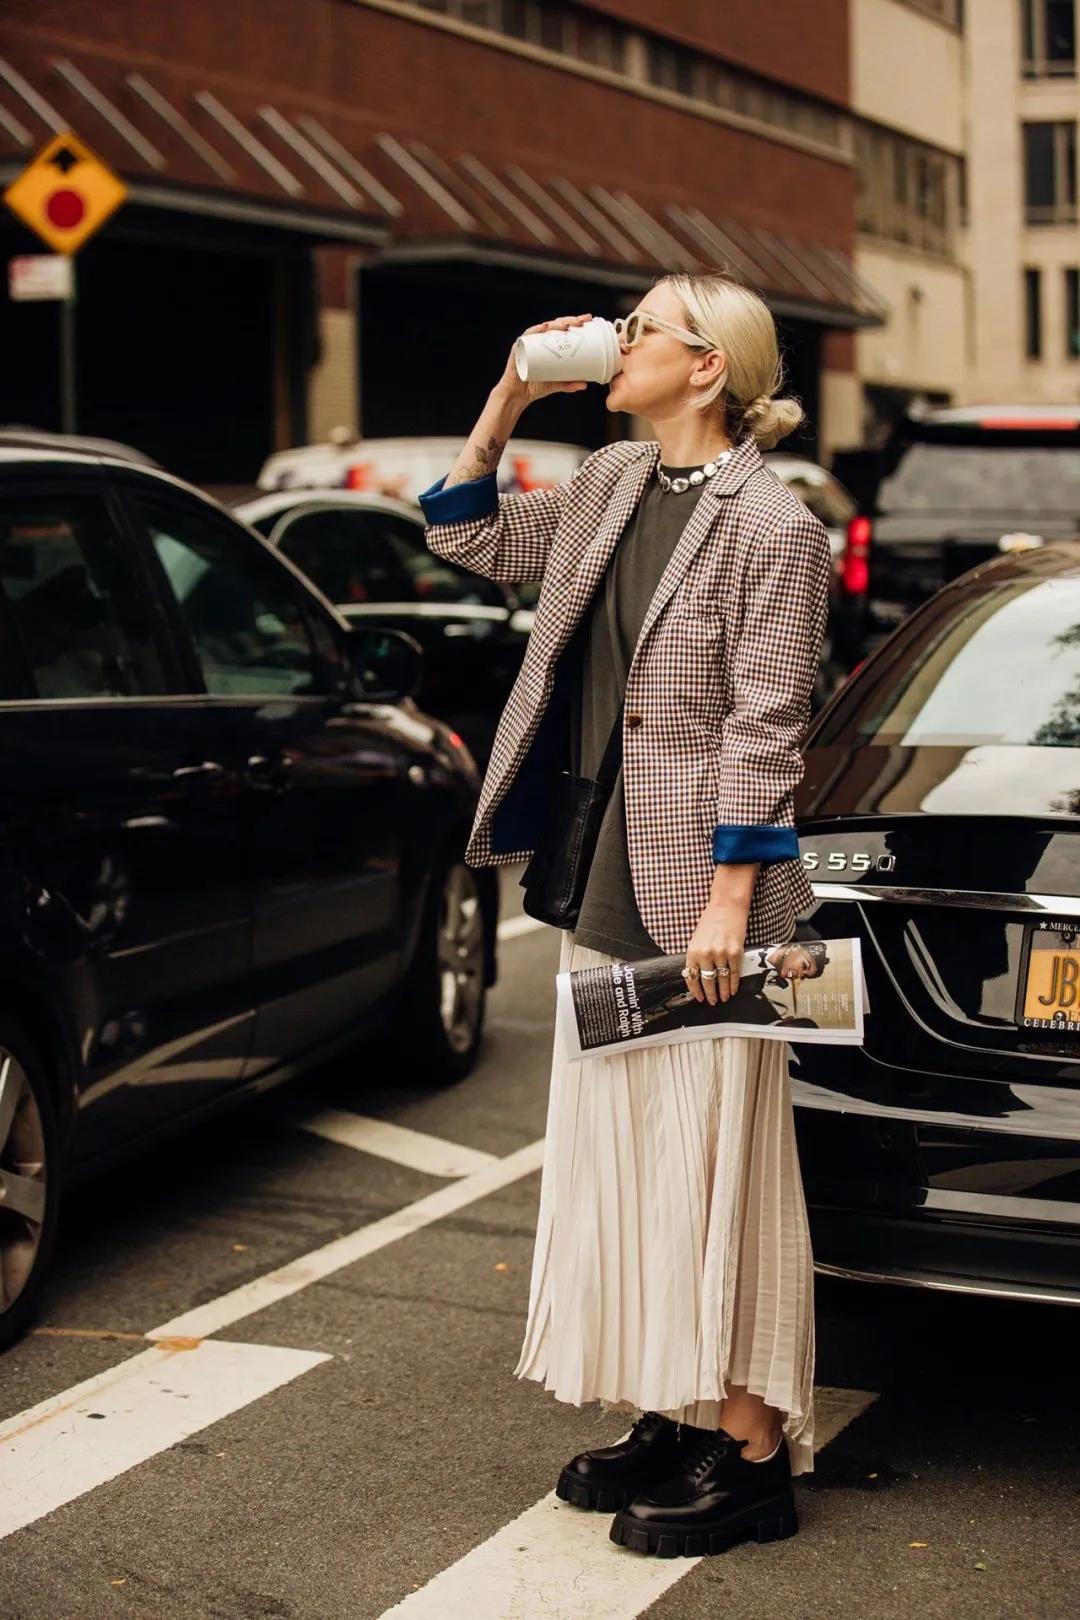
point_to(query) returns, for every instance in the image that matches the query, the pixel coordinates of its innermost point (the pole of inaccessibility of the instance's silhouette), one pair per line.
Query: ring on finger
(709, 973)
(724, 972)
(691, 972)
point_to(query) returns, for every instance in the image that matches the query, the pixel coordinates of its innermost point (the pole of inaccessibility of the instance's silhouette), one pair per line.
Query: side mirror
(387, 664)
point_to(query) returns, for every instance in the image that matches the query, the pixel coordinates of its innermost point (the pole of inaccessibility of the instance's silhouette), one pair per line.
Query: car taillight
(856, 571)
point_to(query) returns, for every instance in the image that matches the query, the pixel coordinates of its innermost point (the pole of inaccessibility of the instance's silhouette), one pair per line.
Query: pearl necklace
(676, 486)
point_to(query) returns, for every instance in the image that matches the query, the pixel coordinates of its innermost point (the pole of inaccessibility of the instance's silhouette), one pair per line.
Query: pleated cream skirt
(672, 1253)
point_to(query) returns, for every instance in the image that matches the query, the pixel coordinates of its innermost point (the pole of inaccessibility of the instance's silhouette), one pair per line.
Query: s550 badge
(839, 861)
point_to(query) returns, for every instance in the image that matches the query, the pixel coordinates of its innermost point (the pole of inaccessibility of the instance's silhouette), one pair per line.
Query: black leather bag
(554, 880)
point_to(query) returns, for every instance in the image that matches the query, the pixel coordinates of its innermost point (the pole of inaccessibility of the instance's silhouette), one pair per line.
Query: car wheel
(29, 1179)
(441, 1018)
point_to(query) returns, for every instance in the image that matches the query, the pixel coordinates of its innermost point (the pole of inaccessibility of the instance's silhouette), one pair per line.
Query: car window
(998, 666)
(356, 556)
(242, 609)
(75, 606)
(972, 479)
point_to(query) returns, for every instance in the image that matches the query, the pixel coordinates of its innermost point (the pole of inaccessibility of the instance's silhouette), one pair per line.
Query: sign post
(65, 194)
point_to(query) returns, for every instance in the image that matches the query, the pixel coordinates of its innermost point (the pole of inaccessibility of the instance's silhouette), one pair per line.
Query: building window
(1050, 173)
(1033, 314)
(1072, 314)
(567, 29)
(1048, 38)
(905, 191)
(671, 67)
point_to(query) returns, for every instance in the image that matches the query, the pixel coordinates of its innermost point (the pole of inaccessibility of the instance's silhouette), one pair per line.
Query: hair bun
(768, 420)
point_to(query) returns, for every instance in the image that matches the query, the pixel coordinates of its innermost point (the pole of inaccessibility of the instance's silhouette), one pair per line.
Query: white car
(403, 468)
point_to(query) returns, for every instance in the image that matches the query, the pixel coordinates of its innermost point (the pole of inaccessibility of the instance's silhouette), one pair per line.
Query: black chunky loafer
(711, 1501)
(608, 1479)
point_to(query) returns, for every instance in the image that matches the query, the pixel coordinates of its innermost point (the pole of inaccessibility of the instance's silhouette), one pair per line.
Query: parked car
(403, 468)
(229, 842)
(368, 554)
(939, 820)
(821, 491)
(949, 490)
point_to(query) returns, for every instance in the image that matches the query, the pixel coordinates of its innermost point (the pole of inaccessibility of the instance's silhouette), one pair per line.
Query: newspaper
(809, 990)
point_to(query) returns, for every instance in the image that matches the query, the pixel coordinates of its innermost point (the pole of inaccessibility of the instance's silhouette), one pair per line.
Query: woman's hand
(720, 936)
(510, 386)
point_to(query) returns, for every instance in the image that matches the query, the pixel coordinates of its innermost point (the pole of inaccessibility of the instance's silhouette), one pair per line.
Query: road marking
(556, 1560)
(514, 927)
(415, 1149)
(85, 1333)
(218, 1314)
(89, 1434)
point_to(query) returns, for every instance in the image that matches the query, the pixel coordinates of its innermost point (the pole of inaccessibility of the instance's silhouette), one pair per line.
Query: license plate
(1050, 978)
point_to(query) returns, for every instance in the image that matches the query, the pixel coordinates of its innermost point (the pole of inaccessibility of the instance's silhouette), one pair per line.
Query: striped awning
(206, 151)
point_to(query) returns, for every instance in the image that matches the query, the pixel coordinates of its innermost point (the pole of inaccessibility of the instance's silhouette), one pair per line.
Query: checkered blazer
(718, 693)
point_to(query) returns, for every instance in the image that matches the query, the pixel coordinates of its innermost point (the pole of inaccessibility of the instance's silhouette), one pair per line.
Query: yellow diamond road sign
(65, 194)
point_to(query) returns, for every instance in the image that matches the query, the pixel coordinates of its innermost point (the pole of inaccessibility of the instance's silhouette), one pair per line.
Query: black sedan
(368, 555)
(229, 843)
(940, 822)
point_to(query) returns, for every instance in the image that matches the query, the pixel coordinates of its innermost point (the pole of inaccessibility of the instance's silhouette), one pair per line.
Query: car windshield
(998, 666)
(991, 478)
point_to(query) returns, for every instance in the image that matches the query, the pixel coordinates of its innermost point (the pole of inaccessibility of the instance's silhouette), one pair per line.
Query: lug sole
(594, 1498)
(765, 1521)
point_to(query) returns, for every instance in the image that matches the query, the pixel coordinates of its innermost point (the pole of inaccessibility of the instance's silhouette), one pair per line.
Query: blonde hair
(734, 319)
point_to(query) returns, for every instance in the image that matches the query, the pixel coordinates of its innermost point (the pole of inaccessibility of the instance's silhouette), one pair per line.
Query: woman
(672, 1271)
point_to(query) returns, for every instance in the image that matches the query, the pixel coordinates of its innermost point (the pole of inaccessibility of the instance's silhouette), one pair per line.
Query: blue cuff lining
(736, 846)
(461, 503)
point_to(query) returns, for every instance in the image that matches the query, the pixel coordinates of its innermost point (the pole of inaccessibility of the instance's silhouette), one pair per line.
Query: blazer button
(633, 721)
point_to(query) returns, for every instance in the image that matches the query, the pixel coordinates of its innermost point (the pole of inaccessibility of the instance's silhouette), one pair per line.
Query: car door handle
(208, 770)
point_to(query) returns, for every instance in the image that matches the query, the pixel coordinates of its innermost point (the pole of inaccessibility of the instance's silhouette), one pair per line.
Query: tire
(440, 1021)
(29, 1179)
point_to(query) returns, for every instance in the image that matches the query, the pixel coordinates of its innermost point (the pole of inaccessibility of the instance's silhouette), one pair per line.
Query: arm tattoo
(477, 460)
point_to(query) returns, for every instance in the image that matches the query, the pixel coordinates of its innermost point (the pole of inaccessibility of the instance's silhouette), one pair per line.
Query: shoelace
(708, 1450)
(645, 1423)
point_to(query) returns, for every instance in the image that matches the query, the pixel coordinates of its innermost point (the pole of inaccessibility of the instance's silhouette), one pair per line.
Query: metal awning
(201, 150)
(466, 209)
(194, 150)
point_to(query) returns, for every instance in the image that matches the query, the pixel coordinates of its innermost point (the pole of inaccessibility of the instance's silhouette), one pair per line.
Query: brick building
(343, 210)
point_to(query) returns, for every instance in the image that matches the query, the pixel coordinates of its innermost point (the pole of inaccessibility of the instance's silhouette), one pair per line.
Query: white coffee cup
(588, 353)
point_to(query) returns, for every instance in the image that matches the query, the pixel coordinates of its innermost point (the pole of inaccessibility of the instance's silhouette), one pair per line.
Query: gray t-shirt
(609, 920)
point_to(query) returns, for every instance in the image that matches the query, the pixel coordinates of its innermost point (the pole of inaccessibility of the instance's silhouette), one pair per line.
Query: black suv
(228, 840)
(950, 489)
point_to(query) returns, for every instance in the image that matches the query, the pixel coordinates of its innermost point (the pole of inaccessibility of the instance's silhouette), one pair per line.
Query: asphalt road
(388, 1440)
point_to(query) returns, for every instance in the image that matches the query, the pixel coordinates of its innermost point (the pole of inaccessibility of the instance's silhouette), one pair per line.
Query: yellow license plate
(1051, 998)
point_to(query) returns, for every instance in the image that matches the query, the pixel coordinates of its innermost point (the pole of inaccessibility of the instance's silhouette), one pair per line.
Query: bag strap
(611, 761)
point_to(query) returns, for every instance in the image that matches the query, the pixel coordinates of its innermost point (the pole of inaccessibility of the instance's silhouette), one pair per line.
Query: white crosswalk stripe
(100, 1428)
(414, 1149)
(514, 927)
(556, 1561)
(218, 1314)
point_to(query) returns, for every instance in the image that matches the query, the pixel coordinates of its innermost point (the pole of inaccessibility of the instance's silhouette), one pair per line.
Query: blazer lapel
(745, 459)
(624, 498)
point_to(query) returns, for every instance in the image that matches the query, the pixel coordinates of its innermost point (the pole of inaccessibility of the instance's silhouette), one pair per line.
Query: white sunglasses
(630, 330)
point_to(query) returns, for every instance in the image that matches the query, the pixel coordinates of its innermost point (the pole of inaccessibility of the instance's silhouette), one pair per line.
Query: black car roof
(29, 438)
(1059, 559)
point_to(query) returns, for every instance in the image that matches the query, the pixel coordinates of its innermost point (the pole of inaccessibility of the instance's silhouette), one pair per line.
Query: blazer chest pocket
(694, 654)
